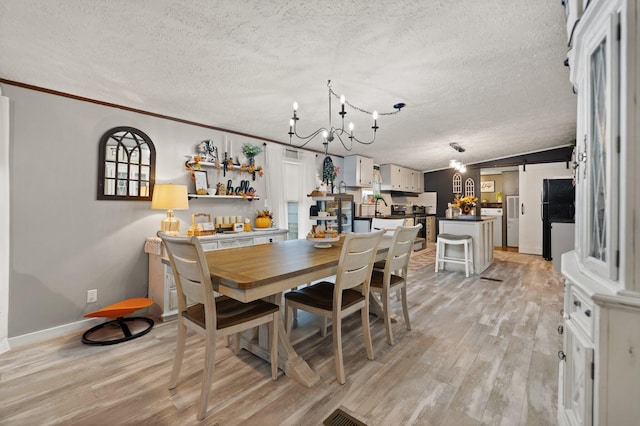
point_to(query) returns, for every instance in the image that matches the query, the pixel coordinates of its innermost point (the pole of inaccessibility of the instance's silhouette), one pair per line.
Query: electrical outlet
(92, 295)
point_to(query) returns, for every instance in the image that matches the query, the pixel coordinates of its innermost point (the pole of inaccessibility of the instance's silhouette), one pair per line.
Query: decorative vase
(263, 222)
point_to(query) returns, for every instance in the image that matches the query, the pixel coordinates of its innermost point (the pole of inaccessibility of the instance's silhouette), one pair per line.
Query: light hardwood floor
(480, 352)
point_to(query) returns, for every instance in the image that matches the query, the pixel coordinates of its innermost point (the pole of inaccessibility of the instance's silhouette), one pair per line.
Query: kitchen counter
(466, 218)
(385, 216)
(481, 231)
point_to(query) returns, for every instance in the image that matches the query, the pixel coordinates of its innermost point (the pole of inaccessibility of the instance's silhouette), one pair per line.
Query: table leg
(288, 360)
(375, 308)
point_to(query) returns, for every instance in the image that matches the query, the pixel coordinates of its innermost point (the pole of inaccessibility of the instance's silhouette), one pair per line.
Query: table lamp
(169, 197)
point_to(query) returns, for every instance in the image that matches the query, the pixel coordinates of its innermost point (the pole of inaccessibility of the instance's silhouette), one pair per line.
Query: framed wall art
(488, 186)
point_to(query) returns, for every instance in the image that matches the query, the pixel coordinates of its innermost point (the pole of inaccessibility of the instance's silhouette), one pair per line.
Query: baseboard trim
(4, 345)
(49, 333)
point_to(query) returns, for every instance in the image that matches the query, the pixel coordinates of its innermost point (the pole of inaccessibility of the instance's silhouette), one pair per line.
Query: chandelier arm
(342, 142)
(365, 143)
(310, 137)
(357, 107)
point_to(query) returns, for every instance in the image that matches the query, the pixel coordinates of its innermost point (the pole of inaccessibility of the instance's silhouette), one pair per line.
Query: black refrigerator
(558, 205)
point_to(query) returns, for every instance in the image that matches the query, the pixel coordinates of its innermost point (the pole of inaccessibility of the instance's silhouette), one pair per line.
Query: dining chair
(394, 275)
(339, 300)
(208, 315)
(387, 224)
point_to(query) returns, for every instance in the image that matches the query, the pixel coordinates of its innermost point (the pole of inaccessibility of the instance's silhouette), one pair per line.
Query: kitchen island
(478, 228)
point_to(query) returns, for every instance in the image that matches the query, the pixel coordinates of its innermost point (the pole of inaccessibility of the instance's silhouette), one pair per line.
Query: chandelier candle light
(330, 133)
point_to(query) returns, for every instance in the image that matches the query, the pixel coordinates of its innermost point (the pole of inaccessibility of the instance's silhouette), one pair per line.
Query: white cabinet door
(530, 224)
(358, 171)
(366, 172)
(392, 177)
(577, 387)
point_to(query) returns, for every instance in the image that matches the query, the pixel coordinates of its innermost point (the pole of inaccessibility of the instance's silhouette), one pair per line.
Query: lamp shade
(169, 196)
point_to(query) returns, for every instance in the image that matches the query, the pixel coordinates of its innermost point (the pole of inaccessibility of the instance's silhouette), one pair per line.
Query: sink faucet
(376, 213)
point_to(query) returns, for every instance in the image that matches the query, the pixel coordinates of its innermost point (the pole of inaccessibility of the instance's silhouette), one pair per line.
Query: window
(126, 165)
(292, 220)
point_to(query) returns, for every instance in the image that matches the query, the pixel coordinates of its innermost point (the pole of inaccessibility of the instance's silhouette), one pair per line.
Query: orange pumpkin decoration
(263, 222)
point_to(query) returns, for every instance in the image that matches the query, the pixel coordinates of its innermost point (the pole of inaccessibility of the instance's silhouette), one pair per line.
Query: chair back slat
(401, 248)
(191, 273)
(388, 225)
(356, 260)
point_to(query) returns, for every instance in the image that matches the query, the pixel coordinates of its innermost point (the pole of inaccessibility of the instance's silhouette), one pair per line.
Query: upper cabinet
(604, 130)
(358, 171)
(398, 178)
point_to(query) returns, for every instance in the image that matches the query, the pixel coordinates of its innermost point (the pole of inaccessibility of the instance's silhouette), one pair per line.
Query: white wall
(63, 240)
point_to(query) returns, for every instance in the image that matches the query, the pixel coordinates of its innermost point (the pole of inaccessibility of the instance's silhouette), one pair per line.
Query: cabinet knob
(562, 355)
(588, 312)
(560, 329)
(577, 303)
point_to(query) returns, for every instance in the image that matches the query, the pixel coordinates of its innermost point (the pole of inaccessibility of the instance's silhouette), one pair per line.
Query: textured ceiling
(488, 75)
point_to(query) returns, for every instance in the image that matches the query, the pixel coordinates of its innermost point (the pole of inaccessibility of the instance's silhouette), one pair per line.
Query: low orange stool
(118, 311)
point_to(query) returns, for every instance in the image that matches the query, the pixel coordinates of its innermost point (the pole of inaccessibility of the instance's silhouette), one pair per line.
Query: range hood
(403, 194)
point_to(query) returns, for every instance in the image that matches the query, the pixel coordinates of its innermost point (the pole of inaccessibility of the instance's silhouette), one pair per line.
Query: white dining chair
(341, 299)
(388, 225)
(211, 316)
(394, 275)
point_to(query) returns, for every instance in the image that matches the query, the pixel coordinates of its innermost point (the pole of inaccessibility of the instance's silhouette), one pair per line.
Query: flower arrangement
(264, 213)
(465, 204)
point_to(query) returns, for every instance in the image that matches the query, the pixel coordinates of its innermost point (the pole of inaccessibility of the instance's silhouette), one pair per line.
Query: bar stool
(441, 246)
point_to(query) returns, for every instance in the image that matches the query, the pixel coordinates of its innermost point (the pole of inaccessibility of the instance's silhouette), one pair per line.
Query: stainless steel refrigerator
(558, 206)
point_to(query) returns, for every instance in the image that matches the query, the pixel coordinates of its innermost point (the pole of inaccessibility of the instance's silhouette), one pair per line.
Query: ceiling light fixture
(455, 164)
(330, 133)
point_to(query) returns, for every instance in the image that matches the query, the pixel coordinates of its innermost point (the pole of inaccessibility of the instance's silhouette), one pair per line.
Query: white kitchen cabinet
(393, 178)
(358, 171)
(599, 380)
(162, 286)
(398, 178)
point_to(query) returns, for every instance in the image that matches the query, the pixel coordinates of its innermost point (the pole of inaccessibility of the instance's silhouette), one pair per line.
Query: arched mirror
(126, 165)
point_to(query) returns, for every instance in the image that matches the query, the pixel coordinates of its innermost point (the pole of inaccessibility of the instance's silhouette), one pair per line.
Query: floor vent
(491, 279)
(340, 418)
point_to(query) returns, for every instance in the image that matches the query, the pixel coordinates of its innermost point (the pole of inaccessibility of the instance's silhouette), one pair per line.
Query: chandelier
(455, 164)
(330, 133)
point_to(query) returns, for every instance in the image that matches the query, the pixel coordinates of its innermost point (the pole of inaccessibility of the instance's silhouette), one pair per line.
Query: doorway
(497, 184)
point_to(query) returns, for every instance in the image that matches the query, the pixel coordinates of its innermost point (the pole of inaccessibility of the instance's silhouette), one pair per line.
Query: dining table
(265, 271)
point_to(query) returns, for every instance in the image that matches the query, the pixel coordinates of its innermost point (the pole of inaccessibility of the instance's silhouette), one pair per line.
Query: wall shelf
(224, 197)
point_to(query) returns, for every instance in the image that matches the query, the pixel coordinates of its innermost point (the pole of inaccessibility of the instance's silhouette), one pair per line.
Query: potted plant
(250, 151)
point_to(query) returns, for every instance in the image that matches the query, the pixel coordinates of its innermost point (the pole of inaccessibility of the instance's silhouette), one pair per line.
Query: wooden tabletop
(253, 266)
(253, 272)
